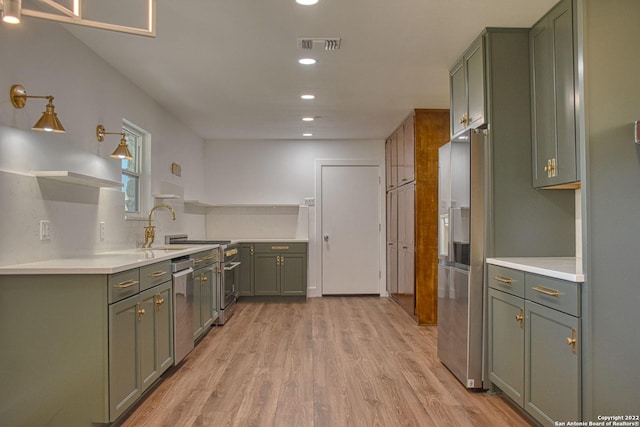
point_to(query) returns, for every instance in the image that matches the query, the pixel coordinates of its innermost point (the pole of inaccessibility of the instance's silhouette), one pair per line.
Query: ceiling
(228, 68)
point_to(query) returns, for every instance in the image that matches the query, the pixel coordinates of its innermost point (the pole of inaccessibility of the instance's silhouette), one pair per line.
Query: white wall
(47, 60)
(272, 173)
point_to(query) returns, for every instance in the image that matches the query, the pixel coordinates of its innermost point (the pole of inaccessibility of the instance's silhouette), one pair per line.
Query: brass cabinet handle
(550, 168)
(502, 279)
(279, 248)
(157, 274)
(197, 261)
(277, 260)
(547, 291)
(464, 119)
(140, 311)
(159, 302)
(281, 260)
(573, 340)
(127, 284)
(208, 257)
(203, 278)
(231, 252)
(251, 250)
(520, 317)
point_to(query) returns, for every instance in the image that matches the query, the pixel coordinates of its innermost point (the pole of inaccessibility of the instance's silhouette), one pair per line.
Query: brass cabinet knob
(520, 317)
(159, 302)
(140, 311)
(572, 341)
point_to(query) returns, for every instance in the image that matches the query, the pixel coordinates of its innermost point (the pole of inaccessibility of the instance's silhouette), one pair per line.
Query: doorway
(350, 227)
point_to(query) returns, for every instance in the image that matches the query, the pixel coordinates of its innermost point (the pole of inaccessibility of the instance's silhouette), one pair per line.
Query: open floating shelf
(76, 178)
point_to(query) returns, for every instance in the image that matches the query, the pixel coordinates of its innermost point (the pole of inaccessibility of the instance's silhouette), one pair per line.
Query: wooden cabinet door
(124, 374)
(388, 163)
(552, 365)
(267, 273)
(506, 344)
(474, 64)
(293, 274)
(409, 146)
(458, 98)
(246, 270)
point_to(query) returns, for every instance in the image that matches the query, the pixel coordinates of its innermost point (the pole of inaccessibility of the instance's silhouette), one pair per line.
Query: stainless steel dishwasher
(182, 269)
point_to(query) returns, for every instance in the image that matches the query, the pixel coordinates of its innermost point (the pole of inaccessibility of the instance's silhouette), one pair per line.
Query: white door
(350, 229)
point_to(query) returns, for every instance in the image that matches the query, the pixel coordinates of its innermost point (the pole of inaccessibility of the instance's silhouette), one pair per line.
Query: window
(135, 171)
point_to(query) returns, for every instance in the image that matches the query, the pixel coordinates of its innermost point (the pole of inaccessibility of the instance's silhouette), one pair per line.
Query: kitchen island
(83, 338)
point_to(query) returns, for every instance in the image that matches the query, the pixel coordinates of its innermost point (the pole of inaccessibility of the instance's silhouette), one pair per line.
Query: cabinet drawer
(123, 285)
(154, 274)
(506, 279)
(204, 258)
(554, 293)
(281, 247)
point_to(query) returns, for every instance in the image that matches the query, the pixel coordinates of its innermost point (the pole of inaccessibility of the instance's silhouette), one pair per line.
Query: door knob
(326, 237)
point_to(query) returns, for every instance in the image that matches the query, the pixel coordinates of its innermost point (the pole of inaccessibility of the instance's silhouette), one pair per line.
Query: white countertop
(565, 268)
(263, 240)
(104, 263)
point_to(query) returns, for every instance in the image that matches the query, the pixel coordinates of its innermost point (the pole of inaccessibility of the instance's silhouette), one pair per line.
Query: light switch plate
(45, 230)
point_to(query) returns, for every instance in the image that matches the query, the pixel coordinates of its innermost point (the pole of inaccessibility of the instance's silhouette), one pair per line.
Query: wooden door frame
(316, 240)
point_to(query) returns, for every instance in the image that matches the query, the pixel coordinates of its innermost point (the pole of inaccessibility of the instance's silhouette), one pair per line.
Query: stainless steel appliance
(230, 276)
(182, 269)
(461, 241)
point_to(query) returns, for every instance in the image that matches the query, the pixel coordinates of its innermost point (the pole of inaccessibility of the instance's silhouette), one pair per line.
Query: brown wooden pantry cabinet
(412, 206)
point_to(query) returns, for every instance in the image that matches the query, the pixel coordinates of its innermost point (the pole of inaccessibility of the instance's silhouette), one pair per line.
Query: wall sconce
(121, 151)
(49, 121)
(11, 11)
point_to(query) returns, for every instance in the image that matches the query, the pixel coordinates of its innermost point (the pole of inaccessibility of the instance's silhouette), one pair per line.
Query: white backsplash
(258, 222)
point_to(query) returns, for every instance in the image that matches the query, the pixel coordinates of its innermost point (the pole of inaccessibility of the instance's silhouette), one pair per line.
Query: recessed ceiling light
(307, 2)
(309, 96)
(307, 61)
(307, 119)
(307, 134)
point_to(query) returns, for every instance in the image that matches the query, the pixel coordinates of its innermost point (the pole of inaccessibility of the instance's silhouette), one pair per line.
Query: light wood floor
(337, 361)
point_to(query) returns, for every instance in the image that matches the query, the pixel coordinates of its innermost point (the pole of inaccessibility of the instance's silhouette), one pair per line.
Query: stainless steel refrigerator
(461, 244)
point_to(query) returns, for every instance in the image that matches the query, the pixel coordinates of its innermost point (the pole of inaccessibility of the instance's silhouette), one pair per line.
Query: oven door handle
(231, 266)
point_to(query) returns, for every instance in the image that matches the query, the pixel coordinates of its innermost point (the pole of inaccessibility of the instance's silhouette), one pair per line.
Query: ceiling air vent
(326, 43)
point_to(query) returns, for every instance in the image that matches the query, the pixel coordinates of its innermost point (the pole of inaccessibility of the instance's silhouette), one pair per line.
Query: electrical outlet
(101, 231)
(45, 229)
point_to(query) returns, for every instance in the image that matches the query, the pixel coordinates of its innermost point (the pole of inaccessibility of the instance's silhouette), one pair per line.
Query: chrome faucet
(150, 230)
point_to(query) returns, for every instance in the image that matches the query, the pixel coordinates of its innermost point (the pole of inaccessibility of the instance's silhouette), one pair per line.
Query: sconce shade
(49, 121)
(11, 11)
(122, 151)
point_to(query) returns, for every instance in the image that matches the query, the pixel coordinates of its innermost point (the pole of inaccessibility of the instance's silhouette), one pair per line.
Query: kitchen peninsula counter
(104, 263)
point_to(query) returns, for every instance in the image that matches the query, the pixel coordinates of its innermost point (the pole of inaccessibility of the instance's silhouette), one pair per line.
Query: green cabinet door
(552, 365)
(163, 308)
(474, 64)
(506, 344)
(458, 98)
(267, 273)
(124, 375)
(203, 285)
(293, 274)
(551, 45)
(246, 270)
(155, 336)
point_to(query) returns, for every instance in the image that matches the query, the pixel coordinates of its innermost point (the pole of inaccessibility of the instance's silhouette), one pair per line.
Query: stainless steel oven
(229, 268)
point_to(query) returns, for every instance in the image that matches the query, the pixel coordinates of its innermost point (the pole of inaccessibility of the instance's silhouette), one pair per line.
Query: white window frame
(144, 173)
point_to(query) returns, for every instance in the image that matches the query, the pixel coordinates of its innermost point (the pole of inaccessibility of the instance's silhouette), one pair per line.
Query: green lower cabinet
(125, 384)
(247, 252)
(506, 338)
(204, 297)
(293, 274)
(267, 274)
(552, 368)
(280, 269)
(140, 345)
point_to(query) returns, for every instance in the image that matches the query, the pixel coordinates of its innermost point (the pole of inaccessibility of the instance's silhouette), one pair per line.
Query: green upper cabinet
(467, 84)
(553, 112)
